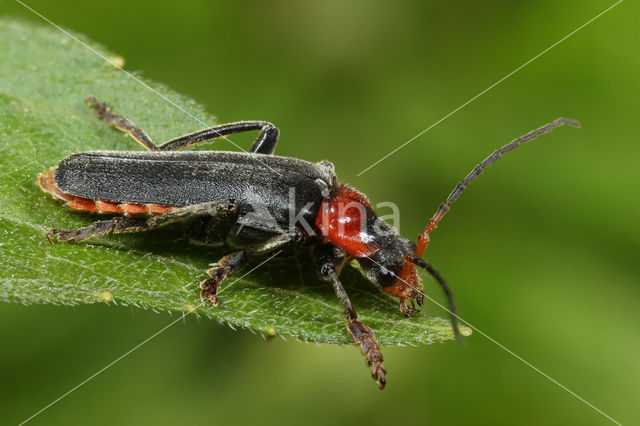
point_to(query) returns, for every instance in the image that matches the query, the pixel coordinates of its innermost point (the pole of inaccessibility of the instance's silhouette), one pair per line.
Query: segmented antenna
(423, 239)
(447, 291)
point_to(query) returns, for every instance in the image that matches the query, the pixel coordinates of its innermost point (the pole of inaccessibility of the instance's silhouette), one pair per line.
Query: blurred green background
(542, 252)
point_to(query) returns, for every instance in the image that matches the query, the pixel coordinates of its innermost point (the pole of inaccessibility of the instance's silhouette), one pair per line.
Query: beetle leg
(116, 225)
(232, 263)
(229, 265)
(103, 111)
(328, 262)
(264, 144)
(215, 209)
(134, 224)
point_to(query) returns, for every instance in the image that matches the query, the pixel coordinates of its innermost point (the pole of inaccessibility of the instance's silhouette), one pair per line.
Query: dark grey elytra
(184, 179)
(217, 192)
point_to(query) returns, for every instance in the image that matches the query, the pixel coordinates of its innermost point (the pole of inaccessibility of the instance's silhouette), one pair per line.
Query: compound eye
(386, 277)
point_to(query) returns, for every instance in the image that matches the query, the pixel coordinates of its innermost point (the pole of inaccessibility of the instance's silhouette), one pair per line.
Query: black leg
(232, 263)
(329, 261)
(116, 225)
(217, 209)
(229, 265)
(103, 111)
(264, 144)
(221, 210)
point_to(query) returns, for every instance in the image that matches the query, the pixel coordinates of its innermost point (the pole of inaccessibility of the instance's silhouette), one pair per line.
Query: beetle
(219, 192)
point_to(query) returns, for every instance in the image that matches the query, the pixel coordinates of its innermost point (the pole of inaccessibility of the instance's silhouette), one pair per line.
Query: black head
(393, 267)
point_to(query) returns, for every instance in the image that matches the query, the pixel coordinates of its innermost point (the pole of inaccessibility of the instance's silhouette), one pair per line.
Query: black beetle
(224, 195)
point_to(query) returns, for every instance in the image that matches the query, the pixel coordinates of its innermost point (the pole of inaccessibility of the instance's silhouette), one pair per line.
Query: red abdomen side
(47, 184)
(342, 220)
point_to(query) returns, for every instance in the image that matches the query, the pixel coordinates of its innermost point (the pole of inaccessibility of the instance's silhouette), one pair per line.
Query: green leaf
(44, 78)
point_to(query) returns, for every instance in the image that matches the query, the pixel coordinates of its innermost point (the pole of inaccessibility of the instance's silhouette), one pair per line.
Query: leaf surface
(44, 78)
